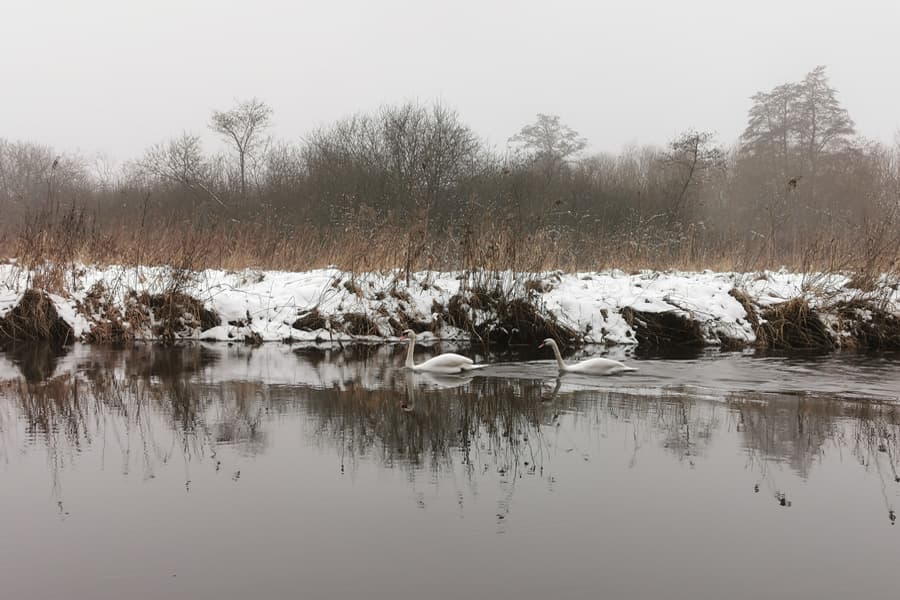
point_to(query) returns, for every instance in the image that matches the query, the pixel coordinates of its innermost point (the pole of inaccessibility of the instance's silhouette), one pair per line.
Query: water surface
(230, 472)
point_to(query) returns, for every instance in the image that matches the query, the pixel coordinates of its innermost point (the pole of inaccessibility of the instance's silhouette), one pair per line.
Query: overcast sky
(115, 76)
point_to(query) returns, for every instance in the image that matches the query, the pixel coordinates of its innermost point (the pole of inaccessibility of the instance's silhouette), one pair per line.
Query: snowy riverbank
(610, 307)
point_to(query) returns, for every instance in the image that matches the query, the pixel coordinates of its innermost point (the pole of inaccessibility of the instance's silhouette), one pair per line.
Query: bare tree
(549, 142)
(692, 157)
(242, 126)
(31, 171)
(180, 161)
(406, 157)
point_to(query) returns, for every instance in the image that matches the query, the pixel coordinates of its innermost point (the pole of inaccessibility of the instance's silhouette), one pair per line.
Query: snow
(267, 303)
(9, 297)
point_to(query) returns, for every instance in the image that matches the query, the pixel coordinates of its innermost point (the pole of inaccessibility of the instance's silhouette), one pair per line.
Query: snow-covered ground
(267, 303)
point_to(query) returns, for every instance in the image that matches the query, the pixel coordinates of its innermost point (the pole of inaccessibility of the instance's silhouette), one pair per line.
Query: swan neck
(409, 351)
(559, 360)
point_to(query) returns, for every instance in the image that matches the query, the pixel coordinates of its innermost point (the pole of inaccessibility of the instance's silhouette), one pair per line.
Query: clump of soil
(176, 314)
(507, 320)
(402, 322)
(793, 325)
(458, 313)
(310, 321)
(109, 323)
(747, 304)
(33, 319)
(359, 324)
(863, 324)
(663, 329)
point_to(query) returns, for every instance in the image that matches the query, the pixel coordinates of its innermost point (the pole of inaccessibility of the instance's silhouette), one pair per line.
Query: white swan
(447, 363)
(591, 366)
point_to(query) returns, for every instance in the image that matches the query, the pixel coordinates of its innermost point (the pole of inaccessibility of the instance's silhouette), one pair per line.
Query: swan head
(408, 334)
(547, 342)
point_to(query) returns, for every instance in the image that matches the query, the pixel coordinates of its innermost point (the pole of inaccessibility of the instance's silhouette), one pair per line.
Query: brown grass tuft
(664, 329)
(33, 319)
(310, 321)
(359, 324)
(863, 324)
(176, 314)
(793, 325)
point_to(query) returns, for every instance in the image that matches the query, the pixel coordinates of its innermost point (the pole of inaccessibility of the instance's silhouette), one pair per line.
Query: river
(224, 471)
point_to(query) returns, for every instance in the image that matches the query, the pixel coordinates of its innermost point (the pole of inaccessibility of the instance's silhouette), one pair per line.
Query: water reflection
(36, 362)
(150, 407)
(335, 473)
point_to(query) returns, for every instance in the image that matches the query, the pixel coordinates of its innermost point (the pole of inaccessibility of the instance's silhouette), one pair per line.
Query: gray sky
(115, 76)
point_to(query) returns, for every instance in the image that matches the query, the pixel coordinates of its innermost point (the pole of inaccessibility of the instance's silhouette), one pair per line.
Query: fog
(113, 77)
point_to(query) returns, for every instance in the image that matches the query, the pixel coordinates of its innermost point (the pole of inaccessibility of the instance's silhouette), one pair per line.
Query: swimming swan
(447, 363)
(591, 366)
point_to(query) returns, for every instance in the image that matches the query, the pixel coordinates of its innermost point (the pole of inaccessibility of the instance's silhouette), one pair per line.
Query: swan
(591, 366)
(447, 363)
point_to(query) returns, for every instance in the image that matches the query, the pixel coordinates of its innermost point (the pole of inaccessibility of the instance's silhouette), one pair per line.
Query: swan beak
(541, 346)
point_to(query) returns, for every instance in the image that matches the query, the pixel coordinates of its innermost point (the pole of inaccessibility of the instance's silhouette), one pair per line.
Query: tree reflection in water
(148, 406)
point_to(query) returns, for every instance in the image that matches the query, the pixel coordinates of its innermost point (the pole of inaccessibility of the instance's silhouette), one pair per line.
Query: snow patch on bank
(265, 305)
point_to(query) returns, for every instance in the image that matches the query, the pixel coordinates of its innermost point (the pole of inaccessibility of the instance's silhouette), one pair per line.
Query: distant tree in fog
(691, 158)
(549, 142)
(796, 122)
(180, 161)
(799, 159)
(242, 127)
(32, 172)
(405, 157)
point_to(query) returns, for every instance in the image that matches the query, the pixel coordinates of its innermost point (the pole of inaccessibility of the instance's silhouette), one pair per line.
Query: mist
(111, 78)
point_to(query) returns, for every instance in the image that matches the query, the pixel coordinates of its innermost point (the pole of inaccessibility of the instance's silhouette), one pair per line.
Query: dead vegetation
(311, 320)
(53, 244)
(111, 324)
(402, 321)
(664, 329)
(747, 304)
(793, 325)
(498, 316)
(176, 314)
(359, 324)
(491, 315)
(34, 319)
(862, 325)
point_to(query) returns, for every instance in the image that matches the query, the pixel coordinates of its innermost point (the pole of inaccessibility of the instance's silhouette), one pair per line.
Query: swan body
(591, 366)
(447, 363)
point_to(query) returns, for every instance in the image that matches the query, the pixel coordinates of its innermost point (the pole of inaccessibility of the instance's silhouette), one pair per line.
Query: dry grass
(35, 319)
(664, 330)
(174, 313)
(109, 323)
(793, 325)
(53, 244)
(359, 324)
(499, 261)
(310, 321)
(864, 325)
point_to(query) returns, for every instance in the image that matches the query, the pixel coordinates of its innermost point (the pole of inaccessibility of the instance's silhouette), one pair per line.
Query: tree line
(798, 180)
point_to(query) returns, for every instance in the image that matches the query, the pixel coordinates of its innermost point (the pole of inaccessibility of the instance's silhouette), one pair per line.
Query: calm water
(228, 472)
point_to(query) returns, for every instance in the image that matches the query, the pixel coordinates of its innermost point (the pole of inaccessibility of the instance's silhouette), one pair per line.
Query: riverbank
(768, 309)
